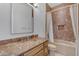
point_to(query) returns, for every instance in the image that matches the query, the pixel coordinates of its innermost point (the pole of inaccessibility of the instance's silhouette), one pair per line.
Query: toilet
(52, 49)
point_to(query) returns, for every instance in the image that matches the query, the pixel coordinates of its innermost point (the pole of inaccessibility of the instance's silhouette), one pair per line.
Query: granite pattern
(17, 48)
(63, 25)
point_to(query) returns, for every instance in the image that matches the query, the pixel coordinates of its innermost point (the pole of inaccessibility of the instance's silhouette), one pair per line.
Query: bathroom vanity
(30, 47)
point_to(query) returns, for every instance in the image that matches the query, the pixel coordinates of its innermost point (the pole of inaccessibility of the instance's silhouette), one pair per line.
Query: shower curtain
(50, 27)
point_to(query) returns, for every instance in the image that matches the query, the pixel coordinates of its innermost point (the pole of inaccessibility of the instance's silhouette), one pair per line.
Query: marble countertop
(17, 48)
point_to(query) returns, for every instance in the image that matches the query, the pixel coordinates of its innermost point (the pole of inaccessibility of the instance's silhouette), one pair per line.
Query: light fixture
(35, 5)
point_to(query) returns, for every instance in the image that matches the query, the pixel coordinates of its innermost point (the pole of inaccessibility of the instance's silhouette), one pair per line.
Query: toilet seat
(51, 46)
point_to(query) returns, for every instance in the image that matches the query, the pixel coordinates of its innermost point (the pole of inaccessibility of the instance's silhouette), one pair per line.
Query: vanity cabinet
(40, 53)
(46, 48)
(40, 50)
(30, 47)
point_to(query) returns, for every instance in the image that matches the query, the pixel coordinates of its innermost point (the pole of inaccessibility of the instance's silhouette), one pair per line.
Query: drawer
(40, 53)
(34, 50)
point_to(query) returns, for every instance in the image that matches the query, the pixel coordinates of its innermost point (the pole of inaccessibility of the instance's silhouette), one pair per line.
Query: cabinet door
(21, 18)
(46, 48)
(45, 51)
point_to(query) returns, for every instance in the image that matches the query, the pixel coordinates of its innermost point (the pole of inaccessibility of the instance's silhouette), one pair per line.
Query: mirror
(22, 20)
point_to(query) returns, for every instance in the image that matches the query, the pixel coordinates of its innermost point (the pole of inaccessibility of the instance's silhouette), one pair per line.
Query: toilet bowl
(52, 49)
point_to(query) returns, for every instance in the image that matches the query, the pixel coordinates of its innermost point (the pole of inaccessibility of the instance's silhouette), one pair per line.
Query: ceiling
(49, 6)
(53, 4)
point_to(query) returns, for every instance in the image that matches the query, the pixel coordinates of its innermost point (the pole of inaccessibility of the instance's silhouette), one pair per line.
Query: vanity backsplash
(17, 39)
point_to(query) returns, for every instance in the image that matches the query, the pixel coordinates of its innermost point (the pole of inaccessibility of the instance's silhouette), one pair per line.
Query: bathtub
(65, 47)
